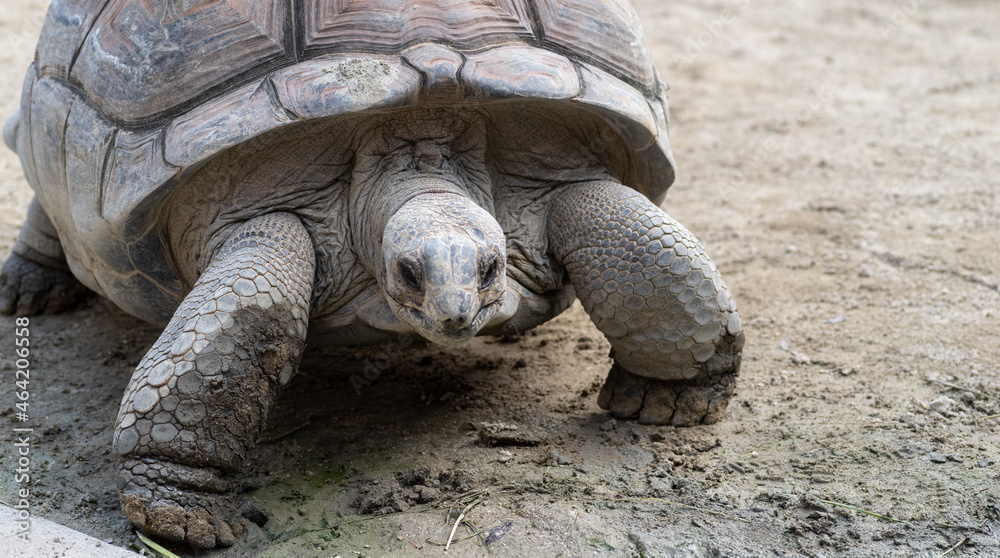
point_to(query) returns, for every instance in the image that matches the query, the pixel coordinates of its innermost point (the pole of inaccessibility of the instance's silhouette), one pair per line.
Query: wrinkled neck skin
(400, 156)
(422, 214)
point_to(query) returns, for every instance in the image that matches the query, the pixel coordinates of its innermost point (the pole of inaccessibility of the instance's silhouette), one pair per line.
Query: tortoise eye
(490, 274)
(410, 273)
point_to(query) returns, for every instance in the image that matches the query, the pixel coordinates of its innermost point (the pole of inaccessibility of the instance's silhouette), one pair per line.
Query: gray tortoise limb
(199, 399)
(35, 278)
(651, 289)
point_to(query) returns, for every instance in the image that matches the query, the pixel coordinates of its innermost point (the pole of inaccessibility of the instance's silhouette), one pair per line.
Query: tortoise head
(445, 266)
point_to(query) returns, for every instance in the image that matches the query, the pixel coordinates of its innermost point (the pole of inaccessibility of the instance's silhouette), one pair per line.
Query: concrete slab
(46, 539)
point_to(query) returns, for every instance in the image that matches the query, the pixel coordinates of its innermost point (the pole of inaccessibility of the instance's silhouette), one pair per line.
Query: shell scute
(440, 66)
(213, 127)
(392, 25)
(618, 44)
(619, 100)
(343, 84)
(144, 58)
(46, 132)
(520, 71)
(137, 177)
(65, 26)
(22, 135)
(89, 138)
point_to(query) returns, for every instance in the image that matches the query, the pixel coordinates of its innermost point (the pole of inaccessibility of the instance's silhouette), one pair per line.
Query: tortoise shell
(126, 99)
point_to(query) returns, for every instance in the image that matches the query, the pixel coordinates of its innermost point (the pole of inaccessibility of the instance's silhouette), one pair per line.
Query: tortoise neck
(417, 154)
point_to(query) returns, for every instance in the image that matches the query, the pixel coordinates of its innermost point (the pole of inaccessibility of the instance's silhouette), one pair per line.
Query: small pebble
(497, 533)
(664, 470)
(559, 458)
(734, 467)
(799, 358)
(942, 404)
(943, 458)
(505, 456)
(429, 494)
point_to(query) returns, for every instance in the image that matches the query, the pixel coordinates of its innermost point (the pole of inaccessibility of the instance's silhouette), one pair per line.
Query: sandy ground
(838, 159)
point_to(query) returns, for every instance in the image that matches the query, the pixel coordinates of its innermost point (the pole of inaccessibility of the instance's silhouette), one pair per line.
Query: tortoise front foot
(198, 401)
(179, 503)
(28, 288)
(648, 285)
(702, 400)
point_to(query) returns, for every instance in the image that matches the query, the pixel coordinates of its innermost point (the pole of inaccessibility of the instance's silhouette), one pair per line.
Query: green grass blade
(155, 547)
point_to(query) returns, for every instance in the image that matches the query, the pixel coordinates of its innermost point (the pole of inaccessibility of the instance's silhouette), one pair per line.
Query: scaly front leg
(199, 399)
(651, 289)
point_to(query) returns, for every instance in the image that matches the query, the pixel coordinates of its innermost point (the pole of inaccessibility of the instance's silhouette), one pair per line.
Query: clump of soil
(410, 488)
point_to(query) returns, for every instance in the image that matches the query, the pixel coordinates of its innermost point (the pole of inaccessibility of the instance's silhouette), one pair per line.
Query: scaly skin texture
(651, 289)
(199, 399)
(35, 278)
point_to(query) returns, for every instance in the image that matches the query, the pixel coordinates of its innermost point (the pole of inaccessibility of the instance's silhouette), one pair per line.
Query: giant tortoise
(256, 175)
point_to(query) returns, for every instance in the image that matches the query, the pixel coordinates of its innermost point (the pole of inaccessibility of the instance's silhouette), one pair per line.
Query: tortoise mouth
(436, 331)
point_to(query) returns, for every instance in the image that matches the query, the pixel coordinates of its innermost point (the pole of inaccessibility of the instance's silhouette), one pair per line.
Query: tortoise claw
(676, 402)
(179, 503)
